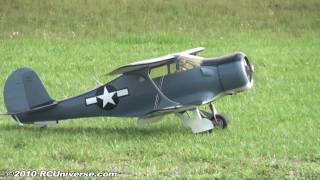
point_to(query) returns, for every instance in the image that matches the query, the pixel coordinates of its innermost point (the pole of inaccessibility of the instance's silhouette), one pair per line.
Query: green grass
(274, 130)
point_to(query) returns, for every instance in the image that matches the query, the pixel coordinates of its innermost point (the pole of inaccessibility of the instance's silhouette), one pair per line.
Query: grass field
(274, 130)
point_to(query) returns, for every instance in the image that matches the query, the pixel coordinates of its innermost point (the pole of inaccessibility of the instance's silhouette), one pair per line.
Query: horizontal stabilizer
(45, 107)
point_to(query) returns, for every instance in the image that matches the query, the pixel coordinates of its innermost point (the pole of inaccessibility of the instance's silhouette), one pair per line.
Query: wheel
(221, 121)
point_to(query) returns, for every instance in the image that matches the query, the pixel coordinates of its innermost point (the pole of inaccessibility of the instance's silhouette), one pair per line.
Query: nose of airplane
(236, 74)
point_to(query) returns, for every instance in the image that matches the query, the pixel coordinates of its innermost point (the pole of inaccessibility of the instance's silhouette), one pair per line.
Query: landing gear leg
(219, 120)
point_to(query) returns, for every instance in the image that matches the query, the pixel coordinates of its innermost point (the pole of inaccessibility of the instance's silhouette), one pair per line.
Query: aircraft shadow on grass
(125, 132)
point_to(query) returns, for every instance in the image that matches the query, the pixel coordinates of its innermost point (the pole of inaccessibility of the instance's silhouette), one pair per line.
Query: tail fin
(24, 91)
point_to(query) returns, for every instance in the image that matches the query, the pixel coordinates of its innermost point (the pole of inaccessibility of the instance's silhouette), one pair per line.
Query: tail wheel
(220, 121)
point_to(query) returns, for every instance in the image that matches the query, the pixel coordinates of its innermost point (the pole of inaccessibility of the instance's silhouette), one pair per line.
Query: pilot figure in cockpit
(188, 62)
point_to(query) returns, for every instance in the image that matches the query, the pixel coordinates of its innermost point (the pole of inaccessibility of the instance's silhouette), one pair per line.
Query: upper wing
(154, 62)
(192, 51)
(143, 64)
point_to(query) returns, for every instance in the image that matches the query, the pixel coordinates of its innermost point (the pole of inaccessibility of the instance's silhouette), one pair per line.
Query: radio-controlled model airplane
(176, 83)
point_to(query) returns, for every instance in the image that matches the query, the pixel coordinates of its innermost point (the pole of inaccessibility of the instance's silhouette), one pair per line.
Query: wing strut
(164, 101)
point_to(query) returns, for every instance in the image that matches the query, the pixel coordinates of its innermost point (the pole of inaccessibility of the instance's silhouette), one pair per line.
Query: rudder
(24, 91)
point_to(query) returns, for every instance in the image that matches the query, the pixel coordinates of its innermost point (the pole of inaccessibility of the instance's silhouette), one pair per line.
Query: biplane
(178, 83)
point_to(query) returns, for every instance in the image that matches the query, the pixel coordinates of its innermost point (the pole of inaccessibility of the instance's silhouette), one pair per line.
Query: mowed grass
(274, 129)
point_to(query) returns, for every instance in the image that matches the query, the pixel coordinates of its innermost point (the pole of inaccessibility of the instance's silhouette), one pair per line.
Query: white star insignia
(106, 97)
